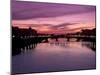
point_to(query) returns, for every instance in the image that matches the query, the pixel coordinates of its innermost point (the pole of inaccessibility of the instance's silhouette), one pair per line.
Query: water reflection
(24, 49)
(91, 45)
(28, 48)
(73, 43)
(55, 55)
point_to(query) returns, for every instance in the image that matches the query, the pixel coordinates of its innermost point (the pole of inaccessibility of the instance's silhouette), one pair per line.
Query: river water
(55, 55)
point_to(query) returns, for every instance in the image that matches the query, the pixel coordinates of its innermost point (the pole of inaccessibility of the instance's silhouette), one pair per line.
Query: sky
(52, 17)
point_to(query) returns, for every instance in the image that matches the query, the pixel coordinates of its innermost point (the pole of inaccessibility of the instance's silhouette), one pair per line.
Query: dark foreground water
(55, 56)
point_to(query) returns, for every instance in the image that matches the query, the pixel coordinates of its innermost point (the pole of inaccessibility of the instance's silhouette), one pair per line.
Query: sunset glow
(52, 37)
(52, 17)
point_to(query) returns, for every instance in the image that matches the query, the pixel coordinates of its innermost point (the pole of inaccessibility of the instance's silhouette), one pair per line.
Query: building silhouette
(22, 32)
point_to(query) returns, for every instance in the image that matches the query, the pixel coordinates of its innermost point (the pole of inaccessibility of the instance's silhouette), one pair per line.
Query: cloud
(28, 10)
(32, 25)
(62, 26)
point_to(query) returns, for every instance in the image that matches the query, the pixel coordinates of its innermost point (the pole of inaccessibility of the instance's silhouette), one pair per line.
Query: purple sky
(49, 16)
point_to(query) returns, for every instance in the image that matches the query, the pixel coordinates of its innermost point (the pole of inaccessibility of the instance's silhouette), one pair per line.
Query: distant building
(18, 32)
(89, 32)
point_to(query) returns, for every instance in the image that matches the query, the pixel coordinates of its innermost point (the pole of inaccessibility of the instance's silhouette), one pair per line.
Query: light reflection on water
(55, 56)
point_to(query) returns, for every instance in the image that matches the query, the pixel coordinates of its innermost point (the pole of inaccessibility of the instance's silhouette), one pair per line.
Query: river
(55, 55)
